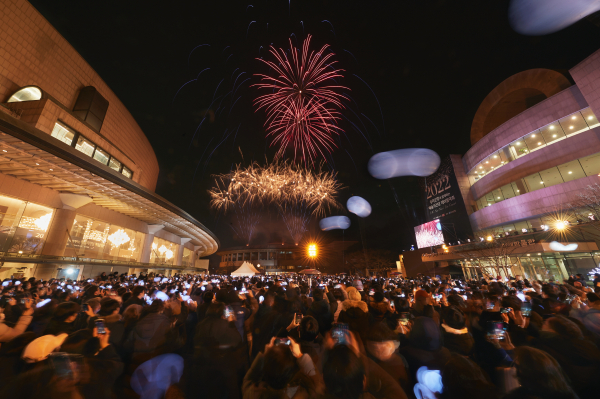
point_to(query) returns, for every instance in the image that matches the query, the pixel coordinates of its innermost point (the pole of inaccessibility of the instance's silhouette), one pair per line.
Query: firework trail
(247, 216)
(303, 104)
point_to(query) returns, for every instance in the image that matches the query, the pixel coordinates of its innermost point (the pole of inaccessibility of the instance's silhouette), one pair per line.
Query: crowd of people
(326, 336)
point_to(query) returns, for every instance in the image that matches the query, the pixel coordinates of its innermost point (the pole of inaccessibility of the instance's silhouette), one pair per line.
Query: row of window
(552, 133)
(80, 143)
(577, 169)
(282, 255)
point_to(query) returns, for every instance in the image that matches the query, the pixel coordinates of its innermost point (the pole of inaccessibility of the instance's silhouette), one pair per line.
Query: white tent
(245, 270)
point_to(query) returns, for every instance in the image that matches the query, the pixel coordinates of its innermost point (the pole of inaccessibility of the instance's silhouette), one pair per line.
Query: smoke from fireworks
(296, 192)
(303, 105)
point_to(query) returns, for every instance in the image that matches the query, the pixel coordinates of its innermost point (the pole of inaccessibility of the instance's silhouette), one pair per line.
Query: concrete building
(535, 146)
(77, 174)
(277, 258)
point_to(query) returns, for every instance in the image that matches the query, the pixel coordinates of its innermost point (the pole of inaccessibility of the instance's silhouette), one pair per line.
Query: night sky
(429, 64)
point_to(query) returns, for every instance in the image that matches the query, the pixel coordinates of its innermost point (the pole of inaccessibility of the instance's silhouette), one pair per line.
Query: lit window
(85, 146)
(114, 164)
(26, 94)
(101, 156)
(63, 134)
(127, 172)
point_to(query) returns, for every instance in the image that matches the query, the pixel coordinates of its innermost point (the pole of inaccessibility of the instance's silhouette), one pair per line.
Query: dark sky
(429, 64)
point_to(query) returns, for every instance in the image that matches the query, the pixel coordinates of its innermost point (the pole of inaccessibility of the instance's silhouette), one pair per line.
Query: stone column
(147, 248)
(62, 221)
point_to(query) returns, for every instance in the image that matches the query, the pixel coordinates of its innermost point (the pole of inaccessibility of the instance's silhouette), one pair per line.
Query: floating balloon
(540, 17)
(334, 222)
(558, 247)
(359, 206)
(406, 162)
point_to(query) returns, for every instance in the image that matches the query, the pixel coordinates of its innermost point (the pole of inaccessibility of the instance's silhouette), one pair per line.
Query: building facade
(77, 174)
(535, 148)
(279, 258)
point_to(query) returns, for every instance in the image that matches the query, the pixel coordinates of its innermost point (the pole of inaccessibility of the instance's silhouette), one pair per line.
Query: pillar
(179, 258)
(57, 235)
(147, 248)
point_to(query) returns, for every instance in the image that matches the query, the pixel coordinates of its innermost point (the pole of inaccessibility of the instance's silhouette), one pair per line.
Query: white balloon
(558, 247)
(540, 17)
(359, 206)
(405, 162)
(334, 222)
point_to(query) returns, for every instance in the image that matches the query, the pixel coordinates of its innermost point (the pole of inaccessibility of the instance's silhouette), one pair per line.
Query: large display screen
(429, 234)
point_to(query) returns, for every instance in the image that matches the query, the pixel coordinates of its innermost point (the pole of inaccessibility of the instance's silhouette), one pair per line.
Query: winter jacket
(7, 333)
(306, 383)
(590, 319)
(355, 314)
(320, 311)
(579, 359)
(149, 337)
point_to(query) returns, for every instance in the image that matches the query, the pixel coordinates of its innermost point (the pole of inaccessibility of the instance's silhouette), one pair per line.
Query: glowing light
(533, 135)
(489, 238)
(551, 127)
(168, 254)
(118, 238)
(554, 135)
(560, 225)
(302, 106)
(570, 172)
(162, 249)
(539, 143)
(40, 223)
(558, 247)
(590, 118)
(573, 117)
(69, 271)
(334, 222)
(154, 246)
(570, 127)
(359, 206)
(312, 250)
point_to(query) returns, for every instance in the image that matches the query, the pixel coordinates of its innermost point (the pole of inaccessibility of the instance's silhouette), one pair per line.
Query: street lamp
(312, 250)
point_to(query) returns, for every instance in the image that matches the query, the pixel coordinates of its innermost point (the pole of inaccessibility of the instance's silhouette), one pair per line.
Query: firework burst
(303, 105)
(296, 192)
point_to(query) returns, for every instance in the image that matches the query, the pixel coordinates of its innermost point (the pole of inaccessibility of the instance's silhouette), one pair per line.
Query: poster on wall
(444, 202)
(429, 234)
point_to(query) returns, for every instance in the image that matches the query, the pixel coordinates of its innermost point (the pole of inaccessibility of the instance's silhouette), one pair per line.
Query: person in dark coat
(137, 297)
(381, 347)
(319, 309)
(218, 355)
(355, 313)
(149, 337)
(425, 347)
(540, 376)
(63, 320)
(578, 357)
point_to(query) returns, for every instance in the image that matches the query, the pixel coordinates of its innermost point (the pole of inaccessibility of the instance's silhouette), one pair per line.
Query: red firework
(303, 106)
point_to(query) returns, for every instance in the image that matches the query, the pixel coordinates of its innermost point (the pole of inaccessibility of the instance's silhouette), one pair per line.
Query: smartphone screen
(489, 305)
(495, 330)
(298, 318)
(282, 341)
(261, 299)
(100, 326)
(404, 318)
(228, 312)
(339, 333)
(526, 309)
(85, 307)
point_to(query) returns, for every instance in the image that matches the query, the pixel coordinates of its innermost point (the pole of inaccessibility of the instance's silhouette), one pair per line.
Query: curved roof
(513, 96)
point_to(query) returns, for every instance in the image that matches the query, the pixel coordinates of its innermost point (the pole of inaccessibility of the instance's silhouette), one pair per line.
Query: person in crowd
(540, 376)
(319, 309)
(355, 312)
(463, 378)
(455, 334)
(7, 333)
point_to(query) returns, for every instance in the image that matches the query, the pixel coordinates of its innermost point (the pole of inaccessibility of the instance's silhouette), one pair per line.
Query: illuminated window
(63, 133)
(114, 164)
(85, 146)
(23, 226)
(26, 94)
(188, 258)
(126, 172)
(101, 156)
(165, 252)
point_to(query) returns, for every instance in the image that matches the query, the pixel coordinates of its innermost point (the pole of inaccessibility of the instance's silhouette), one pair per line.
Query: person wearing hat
(455, 334)
(381, 346)
(354, 312)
